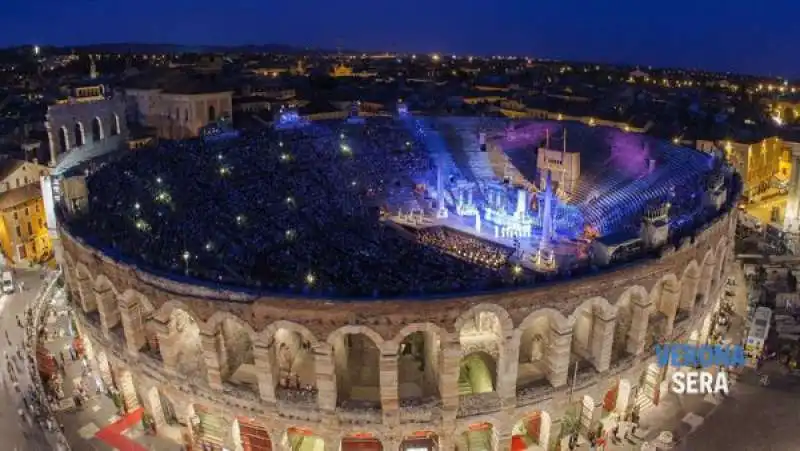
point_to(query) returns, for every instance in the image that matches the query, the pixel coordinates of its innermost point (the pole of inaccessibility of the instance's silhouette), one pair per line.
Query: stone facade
(289, 364)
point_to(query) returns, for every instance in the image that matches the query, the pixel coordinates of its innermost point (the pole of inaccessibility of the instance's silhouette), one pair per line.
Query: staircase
(129, 394)
(464, 387)
(478, 441)
(477, 161)
(212, 430)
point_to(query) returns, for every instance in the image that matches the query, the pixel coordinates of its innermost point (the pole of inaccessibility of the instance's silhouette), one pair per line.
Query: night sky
(733, 35)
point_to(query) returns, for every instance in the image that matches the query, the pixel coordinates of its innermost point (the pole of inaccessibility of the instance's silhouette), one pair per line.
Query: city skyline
(614, 32)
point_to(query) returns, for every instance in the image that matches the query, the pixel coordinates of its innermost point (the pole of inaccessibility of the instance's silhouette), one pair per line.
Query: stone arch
(478, 373)
(85, 288)
(140, 333)
(212, 113)
(357, 382)
(690, 284)
(479, 435)
(720, 257)
(629, 327)
(471, 316)
(97, 129)
(707, 268)
(80, 134)
(541, 341)
(665, 296)
(181, 346)
(419, 360)
(114, 124)
(532, 431)
(362, 441)
(251, 435)
(589, 344)
(107, 306)
(266, 335)
(235, 340)
(63, 139)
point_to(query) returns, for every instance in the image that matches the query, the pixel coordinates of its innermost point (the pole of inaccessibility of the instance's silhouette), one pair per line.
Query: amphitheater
(224, 368)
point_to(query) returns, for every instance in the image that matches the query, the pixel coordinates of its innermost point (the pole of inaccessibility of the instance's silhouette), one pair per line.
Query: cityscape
(269, 247)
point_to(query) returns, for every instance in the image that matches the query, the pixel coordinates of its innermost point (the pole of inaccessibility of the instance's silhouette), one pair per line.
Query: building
(88, 123)
(23, 233)
(759, 162)
(178, 114)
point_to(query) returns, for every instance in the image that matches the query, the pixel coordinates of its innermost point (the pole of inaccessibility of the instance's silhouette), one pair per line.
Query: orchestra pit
(395, 282)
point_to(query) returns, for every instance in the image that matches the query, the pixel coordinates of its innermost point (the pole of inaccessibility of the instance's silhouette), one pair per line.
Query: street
(18, 435)
(763, 209)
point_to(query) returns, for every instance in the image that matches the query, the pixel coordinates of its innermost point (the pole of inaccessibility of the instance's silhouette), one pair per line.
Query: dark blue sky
(737, 35)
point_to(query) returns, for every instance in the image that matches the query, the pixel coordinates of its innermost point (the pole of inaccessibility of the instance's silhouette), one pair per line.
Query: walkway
(96, 425)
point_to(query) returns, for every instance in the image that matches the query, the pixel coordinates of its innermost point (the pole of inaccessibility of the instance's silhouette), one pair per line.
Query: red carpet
(112, 436)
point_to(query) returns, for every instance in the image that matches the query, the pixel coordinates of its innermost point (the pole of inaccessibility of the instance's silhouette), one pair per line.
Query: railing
(39, 309)
(478, 403)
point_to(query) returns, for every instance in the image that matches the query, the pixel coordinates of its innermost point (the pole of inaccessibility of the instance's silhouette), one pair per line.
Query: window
(41, 223)
(19, 231)
(37, 208)
(16, 216)
(27, 211)
(30, 228)
(26, 179)
(17, 182)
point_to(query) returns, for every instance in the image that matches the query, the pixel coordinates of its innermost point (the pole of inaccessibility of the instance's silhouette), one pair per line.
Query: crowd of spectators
(287, 210)
(467, 247)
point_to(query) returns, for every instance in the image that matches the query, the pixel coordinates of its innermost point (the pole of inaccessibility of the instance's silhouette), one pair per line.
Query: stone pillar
(445, 442)
(672, 296)
(107, 308)
(507, 370)
(212, 357)
(333, 442)
(390, 403)
(391, 443)
(558, 353)
(640, 318)
(691, 284)
(501, 437)
(326, 377)
(448, 378)
(132, 324)
(152, 405)
(264, 361)
(602, 339)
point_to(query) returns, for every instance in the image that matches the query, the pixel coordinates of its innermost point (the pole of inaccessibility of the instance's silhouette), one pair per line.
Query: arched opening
(235, 353)
(184, 345)
(300, 439)
(719, 269)
(63, 140)
(624, 344)
(534, 349)
(479, 437)
(357, 360)
(212, 113)
(209, 428)
(361, 442)
(690, 283)
(584, 355)
(114, 124)
(420, 441)
(97, 130)
(251, 435)
(532, 433)
(477, 374)
(108, 308)
(294, 369)
(80, 139)
(418, 367)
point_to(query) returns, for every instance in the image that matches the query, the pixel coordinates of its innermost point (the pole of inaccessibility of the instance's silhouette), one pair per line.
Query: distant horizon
(710, 36)
(398, 52)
